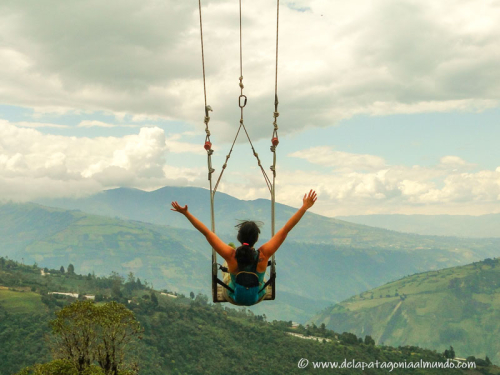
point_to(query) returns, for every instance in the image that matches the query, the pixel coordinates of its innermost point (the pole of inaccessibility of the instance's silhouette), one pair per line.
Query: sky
(385, 106)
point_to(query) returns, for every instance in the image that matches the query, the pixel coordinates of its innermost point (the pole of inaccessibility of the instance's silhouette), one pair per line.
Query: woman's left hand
(177, 208)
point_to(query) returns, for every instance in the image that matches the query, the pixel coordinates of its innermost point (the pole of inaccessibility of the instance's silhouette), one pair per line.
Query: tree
(131, 278)
(116, 292)
(449, 353)
(369, 340)
(71, 269)
(61, 269)
(452, 352)
(130, 285)
(118, 328)
(471, 358)
(86, 333)
(348, 338)
(154, 299)
(201, 299)
(75, 334)
(191, 295)
(59, 366)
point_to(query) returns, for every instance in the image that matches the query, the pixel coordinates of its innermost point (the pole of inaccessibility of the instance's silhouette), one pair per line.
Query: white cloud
(100, 124)
(27, 124)
(456, 163)
(325, 155)
(33, 164)
(359, 187)
(175, 145)
(336, 59)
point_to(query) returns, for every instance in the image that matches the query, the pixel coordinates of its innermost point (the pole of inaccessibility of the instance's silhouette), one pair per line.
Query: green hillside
(184, 335)
(310, 276)
(457, 306)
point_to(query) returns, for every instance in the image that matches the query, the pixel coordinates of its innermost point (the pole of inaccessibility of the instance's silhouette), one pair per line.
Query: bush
(64, 367)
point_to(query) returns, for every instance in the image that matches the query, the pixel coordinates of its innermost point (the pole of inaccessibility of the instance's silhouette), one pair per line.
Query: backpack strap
(268, 282)
(256, 262)
(220, 282)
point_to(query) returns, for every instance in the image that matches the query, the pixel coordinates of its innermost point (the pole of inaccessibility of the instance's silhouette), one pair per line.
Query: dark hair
(248, 233)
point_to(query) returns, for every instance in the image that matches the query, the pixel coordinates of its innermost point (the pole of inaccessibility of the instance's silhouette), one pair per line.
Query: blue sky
(377, 119)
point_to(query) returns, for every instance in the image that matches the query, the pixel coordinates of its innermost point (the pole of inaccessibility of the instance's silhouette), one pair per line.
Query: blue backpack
(246, 286)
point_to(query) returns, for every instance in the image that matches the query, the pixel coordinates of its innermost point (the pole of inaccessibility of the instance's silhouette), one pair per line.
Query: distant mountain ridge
(458, 306)
(154, 207)
(483, 226)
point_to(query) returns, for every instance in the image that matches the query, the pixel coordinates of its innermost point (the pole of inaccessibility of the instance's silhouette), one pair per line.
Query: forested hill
(458, 306)
(185, 335)
(310, 276)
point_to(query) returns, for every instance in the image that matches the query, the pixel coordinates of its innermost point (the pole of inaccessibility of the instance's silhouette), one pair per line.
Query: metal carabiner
(239, 101)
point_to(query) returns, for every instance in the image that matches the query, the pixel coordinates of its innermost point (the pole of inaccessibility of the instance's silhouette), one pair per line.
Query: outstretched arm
(223, 249)
(270, 247)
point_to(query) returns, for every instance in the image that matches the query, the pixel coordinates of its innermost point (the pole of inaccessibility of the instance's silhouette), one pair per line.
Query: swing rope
(275, 142)
(242, 101)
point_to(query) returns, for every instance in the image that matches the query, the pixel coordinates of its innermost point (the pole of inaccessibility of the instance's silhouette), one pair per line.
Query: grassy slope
(16, 302)
(458, 306)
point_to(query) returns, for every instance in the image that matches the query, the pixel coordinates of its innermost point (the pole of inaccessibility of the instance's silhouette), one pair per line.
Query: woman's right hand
(309, 199)
(178, 208)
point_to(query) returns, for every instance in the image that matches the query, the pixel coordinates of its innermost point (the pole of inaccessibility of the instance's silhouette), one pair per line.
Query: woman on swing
(245, 259)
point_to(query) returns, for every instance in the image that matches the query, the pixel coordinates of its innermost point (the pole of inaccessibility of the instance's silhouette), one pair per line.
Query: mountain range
(437, 225)
(323, 261)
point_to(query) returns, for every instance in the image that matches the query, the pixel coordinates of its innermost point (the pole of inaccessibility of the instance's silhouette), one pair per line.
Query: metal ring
(239, 101)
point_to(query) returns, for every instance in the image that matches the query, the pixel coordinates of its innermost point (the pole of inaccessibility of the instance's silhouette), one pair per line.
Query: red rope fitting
(275, 141)
(208, 145)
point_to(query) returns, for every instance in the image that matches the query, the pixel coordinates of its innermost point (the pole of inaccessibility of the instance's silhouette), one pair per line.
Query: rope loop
(208, 109)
